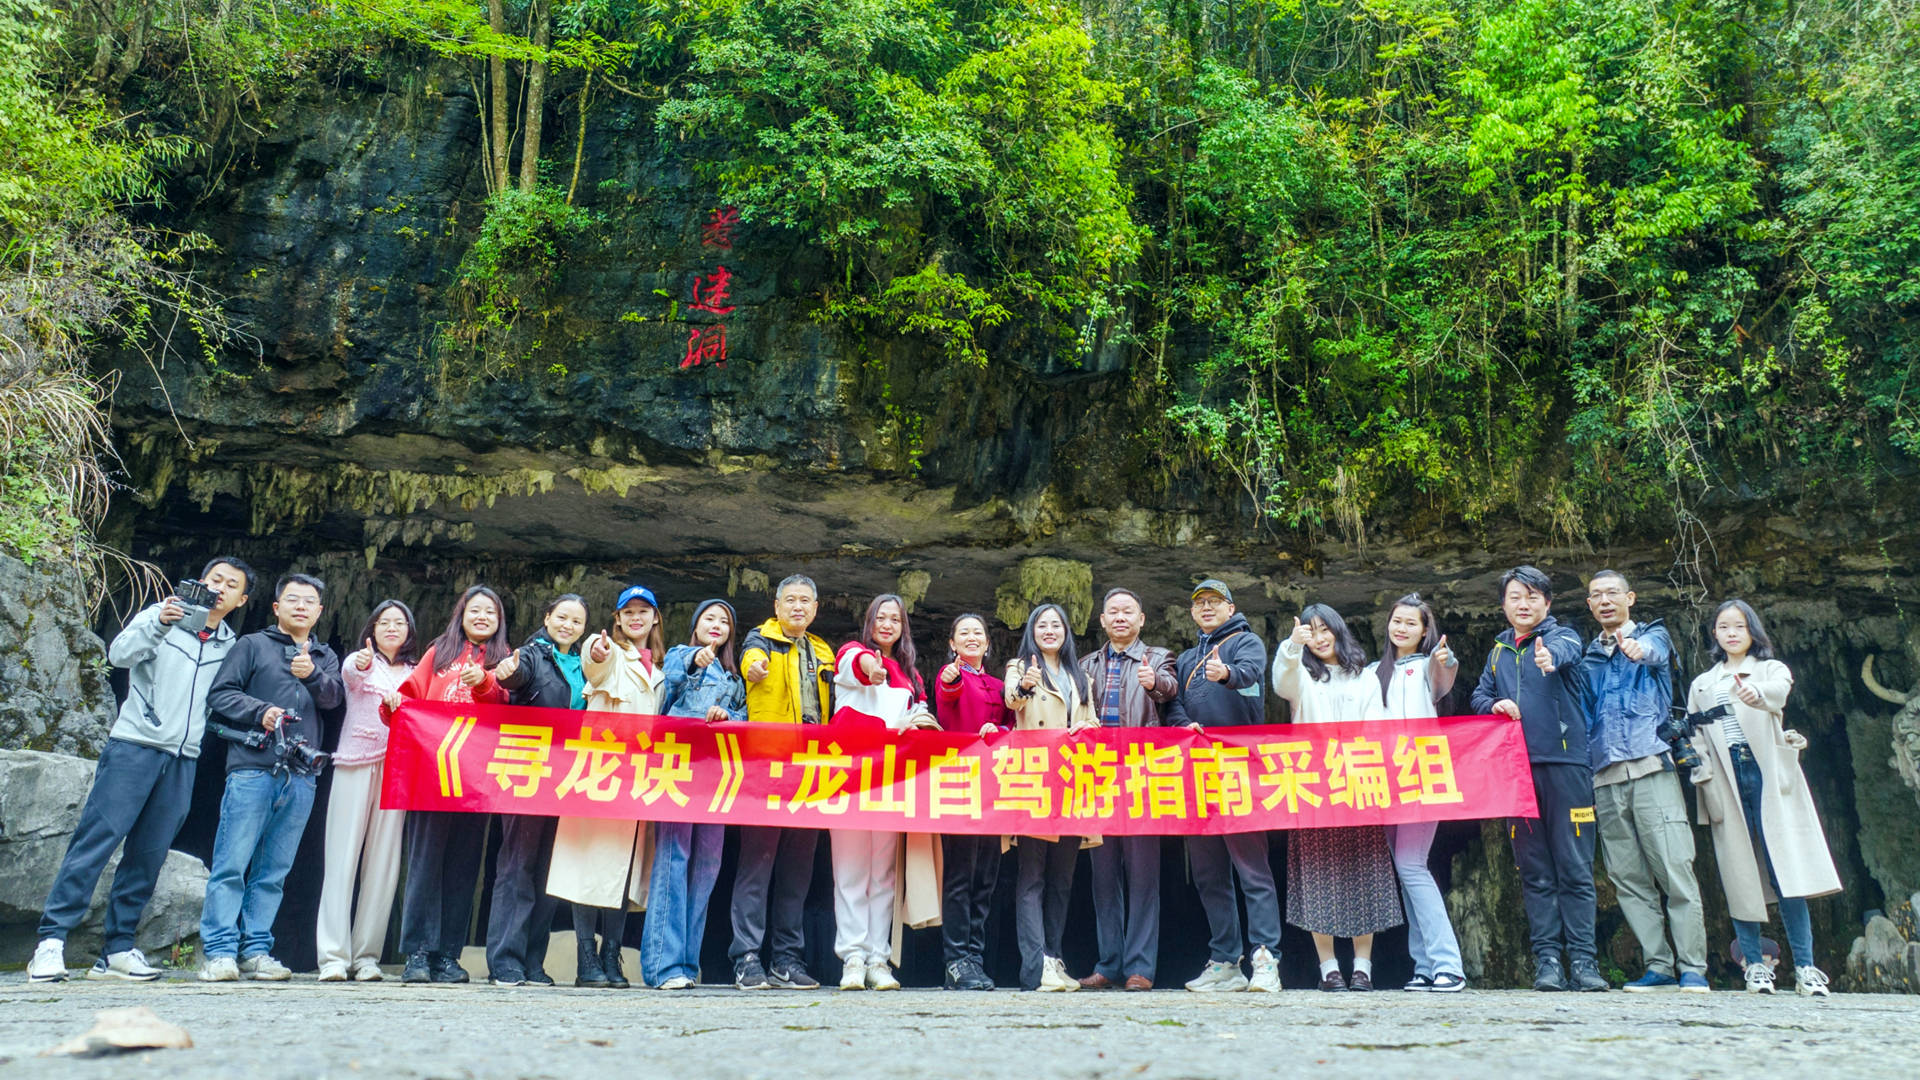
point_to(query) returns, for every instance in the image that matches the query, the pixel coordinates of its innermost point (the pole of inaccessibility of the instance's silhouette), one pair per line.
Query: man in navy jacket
(1534, 675)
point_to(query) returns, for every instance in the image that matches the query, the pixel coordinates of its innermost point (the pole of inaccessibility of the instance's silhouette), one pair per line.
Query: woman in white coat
(1415, 674)
(1767, 838)
(875, 678)
(602, 865)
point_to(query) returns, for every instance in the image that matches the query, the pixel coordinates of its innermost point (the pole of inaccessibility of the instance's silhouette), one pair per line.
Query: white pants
(361, 834)
(863, 887)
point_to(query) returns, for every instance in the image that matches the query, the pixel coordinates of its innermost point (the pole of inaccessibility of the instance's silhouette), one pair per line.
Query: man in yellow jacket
(789, 675)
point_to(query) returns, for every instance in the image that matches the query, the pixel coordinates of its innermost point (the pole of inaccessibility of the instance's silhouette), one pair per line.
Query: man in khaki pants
(1644, 835)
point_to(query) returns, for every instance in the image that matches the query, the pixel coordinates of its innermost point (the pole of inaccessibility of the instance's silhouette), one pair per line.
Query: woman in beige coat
(602, 865)
(1755, 798)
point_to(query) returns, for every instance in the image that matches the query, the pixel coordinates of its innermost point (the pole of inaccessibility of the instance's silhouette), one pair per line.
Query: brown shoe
(1096, 981)
(1360, 981)
(1332, 981)
(1139, 982)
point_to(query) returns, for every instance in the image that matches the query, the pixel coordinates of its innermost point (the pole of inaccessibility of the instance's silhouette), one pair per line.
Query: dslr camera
(291, 753)
(1678, 729)
(197, 599)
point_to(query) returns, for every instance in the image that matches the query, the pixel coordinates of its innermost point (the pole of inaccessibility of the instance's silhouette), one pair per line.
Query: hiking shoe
(49, 963)
(1548, 976)
(748, 974)
(333, 971)
(1651, 983)
(791, 975)
(448, 970)
(853, 974)
(1587, 978)
(367, 971)
(1448, 983)
(1266, 972)
(1692, 982)
(1810, 981)
(880, 977)
(1759, 979)
(419, 969)
(220, 969)
(1419, 984)
(967, 975)
(128, 966)
(262, 967)
(1219, 977)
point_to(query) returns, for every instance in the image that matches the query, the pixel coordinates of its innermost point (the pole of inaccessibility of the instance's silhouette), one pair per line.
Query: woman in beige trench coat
(602, 865)
(1755, 798)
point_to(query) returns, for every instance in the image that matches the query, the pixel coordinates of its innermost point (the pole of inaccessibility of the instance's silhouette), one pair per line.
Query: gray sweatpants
(1648, 847)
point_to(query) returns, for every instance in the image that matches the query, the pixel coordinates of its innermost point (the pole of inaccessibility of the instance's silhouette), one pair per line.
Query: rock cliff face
(359, 443)
(53, 668)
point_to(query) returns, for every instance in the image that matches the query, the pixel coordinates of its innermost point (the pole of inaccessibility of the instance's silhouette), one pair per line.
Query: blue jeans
(262, 815)
(686, 863)
(1430, 937)
(1793, 909)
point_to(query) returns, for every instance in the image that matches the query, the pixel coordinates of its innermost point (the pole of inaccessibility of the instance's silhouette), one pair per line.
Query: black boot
(610, 964)
(590, 973)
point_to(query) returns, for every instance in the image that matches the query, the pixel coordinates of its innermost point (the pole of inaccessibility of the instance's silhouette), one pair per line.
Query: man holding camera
(1636, 790)
(276, 680)
(143, 785)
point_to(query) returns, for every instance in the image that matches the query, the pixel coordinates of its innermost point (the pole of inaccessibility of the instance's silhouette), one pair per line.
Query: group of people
(1595, 717)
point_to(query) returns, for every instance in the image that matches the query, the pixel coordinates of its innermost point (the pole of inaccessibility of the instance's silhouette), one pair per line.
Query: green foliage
(505, 273)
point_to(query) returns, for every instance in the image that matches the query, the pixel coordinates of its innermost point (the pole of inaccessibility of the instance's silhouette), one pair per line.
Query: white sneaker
(1266, 972)
(1759, 979)
(367, 971)
(854, 975)
(678, 982)
(880, 976)
(128, 966)
(1052, 980)
(1219, 977)
(1810, 981)
(265, 968)
(220, 969)
(333, 971)
(49, 963)
(1068, 984)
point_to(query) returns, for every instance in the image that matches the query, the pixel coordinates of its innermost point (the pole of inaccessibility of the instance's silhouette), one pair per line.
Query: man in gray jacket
(143, 784)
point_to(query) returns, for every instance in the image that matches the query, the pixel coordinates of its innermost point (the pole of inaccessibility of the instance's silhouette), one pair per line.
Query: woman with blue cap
(602, 865)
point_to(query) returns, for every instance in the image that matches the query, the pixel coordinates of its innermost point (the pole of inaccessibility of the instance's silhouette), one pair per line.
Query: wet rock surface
(53, 668)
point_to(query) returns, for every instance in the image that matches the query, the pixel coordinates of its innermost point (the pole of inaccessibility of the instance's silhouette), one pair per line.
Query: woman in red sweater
(445, 848)
(970, 700)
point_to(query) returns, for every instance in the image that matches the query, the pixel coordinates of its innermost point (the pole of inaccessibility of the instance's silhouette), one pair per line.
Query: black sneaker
(448, 970)
(748, 974)
(1419, 984)
(967, 975)
(1548, 975)
(791, 975)
(507, 976)
(1587, 978)
(419, 969)
(537, 977)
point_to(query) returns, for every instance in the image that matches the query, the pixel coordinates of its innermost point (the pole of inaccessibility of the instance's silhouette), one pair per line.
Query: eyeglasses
(1205, 602)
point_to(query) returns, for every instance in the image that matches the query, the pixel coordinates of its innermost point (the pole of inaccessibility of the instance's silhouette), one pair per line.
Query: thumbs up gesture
(1542, 659)
(1633, 649)
(505, 668)
(872, 668)
(472, 675)
(1030, 675)
(1442, 654)
(951, 673)
(757, 670)
(1217, 671)
(363, 659)
(301, 665)
(1145, 673)
(1300, 633)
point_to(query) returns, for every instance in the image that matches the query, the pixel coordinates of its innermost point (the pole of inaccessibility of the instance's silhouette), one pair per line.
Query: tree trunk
(497, 94)
(136, 49)
(542, 17)
(580, 143)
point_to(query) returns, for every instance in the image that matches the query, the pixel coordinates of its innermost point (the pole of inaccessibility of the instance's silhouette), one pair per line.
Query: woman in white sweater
(1339, 881)
(1415, 674)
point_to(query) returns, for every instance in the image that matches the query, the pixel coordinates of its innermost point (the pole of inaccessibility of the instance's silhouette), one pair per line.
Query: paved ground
(303, 1029)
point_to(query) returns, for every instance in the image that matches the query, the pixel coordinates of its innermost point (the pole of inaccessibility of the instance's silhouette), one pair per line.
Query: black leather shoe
(1548, 976)
(419, 969)
(1587, 978)
(589, 972)
(448, 970)
(610, 966)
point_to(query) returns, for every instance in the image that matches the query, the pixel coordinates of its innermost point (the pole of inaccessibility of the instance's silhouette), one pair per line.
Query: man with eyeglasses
(1636, 790)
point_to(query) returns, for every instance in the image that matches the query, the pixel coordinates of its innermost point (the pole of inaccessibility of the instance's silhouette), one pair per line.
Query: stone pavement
(305, 1029)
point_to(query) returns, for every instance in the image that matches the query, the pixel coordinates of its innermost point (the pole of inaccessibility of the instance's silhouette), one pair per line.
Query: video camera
(197, 599)
(1678, 729)
(291, 753)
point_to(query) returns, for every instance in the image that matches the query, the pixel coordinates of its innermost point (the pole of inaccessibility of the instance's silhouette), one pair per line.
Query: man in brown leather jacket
(1128, 682)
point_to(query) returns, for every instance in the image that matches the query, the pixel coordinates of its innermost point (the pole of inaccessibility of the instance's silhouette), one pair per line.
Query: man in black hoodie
(1221, 681)
(1534, 675)
(273, 677)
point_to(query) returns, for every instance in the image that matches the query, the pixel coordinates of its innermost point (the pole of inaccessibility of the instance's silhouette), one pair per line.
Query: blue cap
(636, 592)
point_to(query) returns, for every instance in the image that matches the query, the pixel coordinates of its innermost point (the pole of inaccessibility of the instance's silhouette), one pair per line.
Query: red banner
(1111, 781)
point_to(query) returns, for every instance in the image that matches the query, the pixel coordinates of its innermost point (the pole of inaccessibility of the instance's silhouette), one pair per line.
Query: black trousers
(140, 795)
(971, 868)
(770, 891)
(1040, 896)
(1555, 855)
(522, 917)
(444, 852)
(1126, 905)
